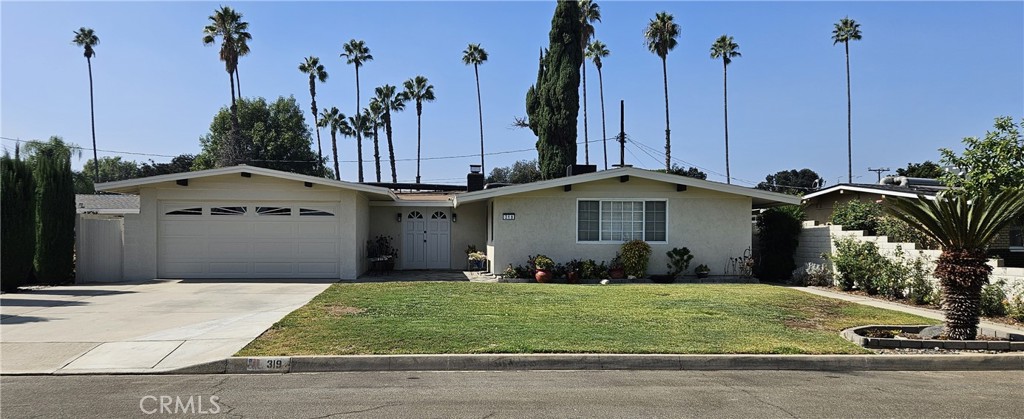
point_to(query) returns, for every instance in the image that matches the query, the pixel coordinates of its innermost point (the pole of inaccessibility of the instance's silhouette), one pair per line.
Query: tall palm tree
(316, 71)
(725, 49)
(597, 50)
(243, 50)
(847, 30)
(589, 12)
(87, 39)
(476, 55)
(419, 90)
(332, 118)
(391, 101)
(227, 24)
(356, 53)
(660, 37)
(355, 126)
(964, 226)
(373, 115)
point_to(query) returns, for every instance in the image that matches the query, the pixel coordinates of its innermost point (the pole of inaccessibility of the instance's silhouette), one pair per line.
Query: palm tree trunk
(376, 150)
(92, 119)
(419, 111)
(586, 137)
(668, 136)
(359, 133)
(725, 100)
(316, 123)
(230, 155)
(334, 145)
(849, 120)
(604, 134)
(962, 274)
(480, 110)
(238, 80)
(391, 145)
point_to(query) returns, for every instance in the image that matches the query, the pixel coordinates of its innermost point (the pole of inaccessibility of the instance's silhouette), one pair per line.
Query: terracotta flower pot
(542, 276)
(617, 273)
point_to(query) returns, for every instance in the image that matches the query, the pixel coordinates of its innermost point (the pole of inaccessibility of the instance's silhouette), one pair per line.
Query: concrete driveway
(151, 326)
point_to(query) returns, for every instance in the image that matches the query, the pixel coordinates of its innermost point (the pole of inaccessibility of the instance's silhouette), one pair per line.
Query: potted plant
(615, 268)
(572, 271)
(702, 271)
(543, 266)
(477, 260)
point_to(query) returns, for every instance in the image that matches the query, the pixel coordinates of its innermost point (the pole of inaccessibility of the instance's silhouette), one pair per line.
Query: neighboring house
(107, 205)
(1008, 245)
(251, 222)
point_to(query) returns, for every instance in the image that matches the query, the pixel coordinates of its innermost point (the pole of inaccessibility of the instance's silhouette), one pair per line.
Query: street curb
(518, 362)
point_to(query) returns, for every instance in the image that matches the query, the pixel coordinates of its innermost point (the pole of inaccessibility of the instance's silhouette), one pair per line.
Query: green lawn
(459, 317)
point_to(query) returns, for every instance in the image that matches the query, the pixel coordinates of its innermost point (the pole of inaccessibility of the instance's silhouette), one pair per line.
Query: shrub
(542, 263)
(635, 256)
(589, 269)
(895, 275)
(678, 261)
(55, 215)
(17, 222)
(899, 231)
(1015, 303)
(778, 230)
(919, 289)
(857, 215)
(858, 264)
(993, 299)
(813, 274)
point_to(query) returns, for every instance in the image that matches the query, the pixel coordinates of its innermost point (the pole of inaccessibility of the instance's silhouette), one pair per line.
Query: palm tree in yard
(87, 39)
(475, 55)
(847, 30)
(316, 71)
(419, 90)
(332, 118)
(243, 50)
(589, 12)
(596, 51)
(356, 53)
(355, 126)
(391, 101)
(660, 37)
(725, 49)
(227, 24)
(964, 226)
(373, 115)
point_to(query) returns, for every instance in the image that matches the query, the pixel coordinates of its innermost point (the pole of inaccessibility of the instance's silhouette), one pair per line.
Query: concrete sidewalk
(152, 326)
(920, 311)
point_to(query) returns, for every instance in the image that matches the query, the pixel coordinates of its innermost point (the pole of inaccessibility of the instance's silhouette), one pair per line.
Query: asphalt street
(741, 394)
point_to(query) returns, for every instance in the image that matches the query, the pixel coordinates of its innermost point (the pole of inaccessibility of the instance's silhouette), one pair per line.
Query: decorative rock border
(1015, 343)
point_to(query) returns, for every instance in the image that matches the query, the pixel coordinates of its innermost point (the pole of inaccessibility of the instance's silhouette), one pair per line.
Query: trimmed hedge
(778, 231)
(55, 212)
(17, 222)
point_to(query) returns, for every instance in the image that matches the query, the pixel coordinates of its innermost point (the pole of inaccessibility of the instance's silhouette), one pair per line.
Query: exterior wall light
(398, 218)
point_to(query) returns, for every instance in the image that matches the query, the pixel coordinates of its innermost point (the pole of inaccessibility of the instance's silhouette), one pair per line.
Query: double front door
(426, 240)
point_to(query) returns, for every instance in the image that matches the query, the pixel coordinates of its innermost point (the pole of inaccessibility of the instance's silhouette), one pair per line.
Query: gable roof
(760, 198)
(107, 204)
(891, 190)
(133, 185)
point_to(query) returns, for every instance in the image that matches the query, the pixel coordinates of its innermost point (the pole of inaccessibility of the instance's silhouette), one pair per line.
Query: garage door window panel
(227, 211)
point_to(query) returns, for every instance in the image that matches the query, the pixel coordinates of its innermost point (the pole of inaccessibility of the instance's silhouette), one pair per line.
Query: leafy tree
(989, 164)
(553, 103)
(660, 37)
(316, 71)
(87, 39)
(522, 171)
(778, 230)
(55, 215)
(278, 132)
(227, 24)
(332, 118)
(596, 51)
(180, 164)
(725, 49)
(357, 54)
(964, 224)
(689, 172)
(791, 182)
(418, 90)
(926, 170)
(847, 30)
(590, 12)
(391, 101)
(54, 146)
(110, 169)
(17, 222)
(476, 55)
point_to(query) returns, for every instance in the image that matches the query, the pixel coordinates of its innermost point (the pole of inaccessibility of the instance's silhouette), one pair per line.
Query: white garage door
(248, 240)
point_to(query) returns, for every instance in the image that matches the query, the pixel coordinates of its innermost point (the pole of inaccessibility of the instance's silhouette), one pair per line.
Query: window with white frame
(619, 221)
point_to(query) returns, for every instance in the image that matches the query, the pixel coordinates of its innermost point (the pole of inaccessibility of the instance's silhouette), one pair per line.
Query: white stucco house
(251, 222)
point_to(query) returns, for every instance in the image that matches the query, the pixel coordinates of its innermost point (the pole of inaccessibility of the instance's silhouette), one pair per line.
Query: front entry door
(426, 242)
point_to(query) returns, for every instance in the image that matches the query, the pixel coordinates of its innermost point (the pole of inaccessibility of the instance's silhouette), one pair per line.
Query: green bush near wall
(55, 213)
(17, 222)
(778, 232)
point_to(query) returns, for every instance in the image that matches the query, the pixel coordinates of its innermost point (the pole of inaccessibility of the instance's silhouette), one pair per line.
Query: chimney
(475, 179)
(579, 169)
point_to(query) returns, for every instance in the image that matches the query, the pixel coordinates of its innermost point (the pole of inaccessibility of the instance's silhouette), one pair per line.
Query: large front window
(619, 221)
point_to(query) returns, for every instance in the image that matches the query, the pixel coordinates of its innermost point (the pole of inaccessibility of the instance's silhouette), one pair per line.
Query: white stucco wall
(470, 228)
(713, 225)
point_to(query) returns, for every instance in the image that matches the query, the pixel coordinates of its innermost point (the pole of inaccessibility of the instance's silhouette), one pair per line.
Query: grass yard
(460, 317)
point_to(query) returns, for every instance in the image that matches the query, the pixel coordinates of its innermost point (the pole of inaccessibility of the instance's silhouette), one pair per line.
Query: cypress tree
(553, 103)
(17, 216)
(55, 215)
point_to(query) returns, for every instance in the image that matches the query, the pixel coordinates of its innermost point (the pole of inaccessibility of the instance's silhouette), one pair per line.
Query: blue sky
(924, 76)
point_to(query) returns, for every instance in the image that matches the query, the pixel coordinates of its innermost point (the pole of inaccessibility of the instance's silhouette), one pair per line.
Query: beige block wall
(714, 226)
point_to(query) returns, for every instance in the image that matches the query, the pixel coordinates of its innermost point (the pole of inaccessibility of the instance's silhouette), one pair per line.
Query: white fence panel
(99, 248)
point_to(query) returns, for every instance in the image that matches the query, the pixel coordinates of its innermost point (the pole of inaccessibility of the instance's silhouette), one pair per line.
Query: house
(252, 222)
(1008, 245)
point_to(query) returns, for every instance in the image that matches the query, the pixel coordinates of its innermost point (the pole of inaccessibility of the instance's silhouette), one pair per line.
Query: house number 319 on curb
(267, 364)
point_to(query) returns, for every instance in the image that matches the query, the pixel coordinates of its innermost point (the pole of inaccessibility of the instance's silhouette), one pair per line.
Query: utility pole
(879, 172)
(622, 133)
